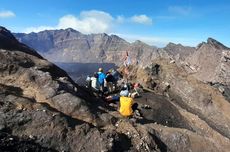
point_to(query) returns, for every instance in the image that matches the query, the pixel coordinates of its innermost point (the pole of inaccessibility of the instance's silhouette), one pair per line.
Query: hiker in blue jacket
(101, 79)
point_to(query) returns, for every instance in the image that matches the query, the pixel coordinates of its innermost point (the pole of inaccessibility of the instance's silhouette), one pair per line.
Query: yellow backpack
(126, 106)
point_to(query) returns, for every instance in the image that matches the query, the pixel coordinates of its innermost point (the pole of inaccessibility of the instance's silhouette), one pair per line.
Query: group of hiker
(101, 82)
(111, 88)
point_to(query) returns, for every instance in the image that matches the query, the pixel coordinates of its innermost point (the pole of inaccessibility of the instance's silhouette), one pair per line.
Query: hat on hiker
(125, 87)
(100, 70)
(124, 93)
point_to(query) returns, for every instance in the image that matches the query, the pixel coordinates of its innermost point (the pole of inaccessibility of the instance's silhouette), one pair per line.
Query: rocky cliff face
(178, 51)
(211, 61)
(72, 46)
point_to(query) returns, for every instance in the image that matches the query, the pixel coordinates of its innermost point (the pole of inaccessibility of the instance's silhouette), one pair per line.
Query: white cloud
(6, 14)
(92, 21)
(142, 19)
(181, 10)
(88, 22)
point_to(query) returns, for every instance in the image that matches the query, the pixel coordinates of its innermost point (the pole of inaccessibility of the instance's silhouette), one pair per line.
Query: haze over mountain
(72, 46)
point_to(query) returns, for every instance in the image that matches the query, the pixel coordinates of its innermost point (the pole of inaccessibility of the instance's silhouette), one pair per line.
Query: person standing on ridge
(101, 79)
(116, 75)
(127, 61)
(109, 81)
(94, 82)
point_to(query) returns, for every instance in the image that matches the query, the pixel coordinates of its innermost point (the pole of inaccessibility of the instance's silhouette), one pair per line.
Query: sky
(155, 22)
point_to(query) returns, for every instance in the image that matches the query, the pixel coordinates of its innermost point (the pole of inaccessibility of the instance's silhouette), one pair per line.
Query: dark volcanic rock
(161, 112)
(11, 143)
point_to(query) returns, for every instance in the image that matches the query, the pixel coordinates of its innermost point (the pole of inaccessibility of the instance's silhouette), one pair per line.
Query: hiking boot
(136, 112)
(146, 107)
(133, 120)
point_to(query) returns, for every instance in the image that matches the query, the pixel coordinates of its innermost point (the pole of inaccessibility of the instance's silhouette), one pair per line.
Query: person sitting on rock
(124, 90)
(126, 105)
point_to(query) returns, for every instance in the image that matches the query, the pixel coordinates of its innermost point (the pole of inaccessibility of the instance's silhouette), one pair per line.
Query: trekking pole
(149, 90)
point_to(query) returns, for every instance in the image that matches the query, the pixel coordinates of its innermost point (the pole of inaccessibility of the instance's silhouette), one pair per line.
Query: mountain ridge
(100, 46)
(69, 46)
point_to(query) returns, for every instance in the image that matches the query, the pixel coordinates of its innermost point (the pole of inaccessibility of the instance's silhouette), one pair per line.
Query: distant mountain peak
(170, 44)
(9, 42)
(115, 36)
(216, 44)
(6, 34)
(70, 29)
(138, 42)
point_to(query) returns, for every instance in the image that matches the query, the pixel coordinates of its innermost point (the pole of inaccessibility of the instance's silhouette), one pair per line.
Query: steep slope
(8, 41)
(38, 78)
(208, 62)
(202, 107)
(72, 46)
(212, 63)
